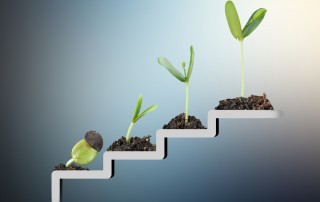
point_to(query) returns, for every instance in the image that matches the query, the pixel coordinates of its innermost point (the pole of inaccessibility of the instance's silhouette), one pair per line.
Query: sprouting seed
(86, 149)
(138, 116)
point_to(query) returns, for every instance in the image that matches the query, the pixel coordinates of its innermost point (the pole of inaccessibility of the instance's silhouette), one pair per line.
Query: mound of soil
(179, 123)
(253, 102)
(135, 144)
(70, 167)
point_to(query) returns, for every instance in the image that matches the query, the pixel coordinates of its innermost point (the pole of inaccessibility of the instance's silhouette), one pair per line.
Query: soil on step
(253, 102)
(70, 167)
(179, 123)
(135, 144)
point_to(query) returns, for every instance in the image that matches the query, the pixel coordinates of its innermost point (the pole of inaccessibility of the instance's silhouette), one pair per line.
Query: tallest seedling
(185, 77)
(239, 33)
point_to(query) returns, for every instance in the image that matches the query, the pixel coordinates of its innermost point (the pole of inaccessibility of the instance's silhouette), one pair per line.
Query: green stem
(129, 132)
(242, 69)
(69, 162)
(187, 102)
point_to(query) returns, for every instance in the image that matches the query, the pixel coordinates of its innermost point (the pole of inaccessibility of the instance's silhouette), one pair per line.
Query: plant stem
(69, 162)
(129, 131)
(242, 69)
(187, 103)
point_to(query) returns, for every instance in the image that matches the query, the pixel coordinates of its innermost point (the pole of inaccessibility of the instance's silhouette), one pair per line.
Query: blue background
(68, 67)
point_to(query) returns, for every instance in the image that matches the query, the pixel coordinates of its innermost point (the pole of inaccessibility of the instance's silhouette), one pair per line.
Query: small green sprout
(86, 149)
(138, 116)
(240, 34)
(185, 78)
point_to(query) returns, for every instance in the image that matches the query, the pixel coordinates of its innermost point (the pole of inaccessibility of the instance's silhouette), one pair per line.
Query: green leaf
(233, 20)
(83, 153)
(190, 64)
(164, 62)
(138, 107)
(150, 109)
(253, 22)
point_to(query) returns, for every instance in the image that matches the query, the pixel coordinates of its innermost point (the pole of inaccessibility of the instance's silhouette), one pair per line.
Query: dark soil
(70, 167)
(179, 123)
(135, 144)
(253, 102)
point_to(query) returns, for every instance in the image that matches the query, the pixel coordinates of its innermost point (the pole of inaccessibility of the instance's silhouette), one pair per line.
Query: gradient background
(72, 66)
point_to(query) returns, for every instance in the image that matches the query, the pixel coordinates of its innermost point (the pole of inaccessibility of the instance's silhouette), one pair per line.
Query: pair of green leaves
(234, 22)
(136, 115)
(181, 77)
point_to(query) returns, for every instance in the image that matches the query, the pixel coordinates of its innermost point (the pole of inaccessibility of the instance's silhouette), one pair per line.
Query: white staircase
(161, 147)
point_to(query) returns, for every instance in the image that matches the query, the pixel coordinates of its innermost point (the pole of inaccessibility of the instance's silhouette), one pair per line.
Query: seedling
(86, 149)
(138, 116)
(181, 77)
(239, 33)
